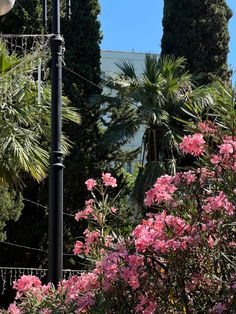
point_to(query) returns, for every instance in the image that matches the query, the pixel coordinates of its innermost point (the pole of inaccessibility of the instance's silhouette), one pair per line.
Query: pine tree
(198, 30)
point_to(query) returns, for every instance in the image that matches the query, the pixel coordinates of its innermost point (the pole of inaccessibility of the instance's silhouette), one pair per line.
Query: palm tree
(220, 107)
(25, 123)
(157, 96)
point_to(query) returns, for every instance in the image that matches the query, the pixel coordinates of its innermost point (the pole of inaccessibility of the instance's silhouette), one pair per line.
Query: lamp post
(55, 249)
(55, 257)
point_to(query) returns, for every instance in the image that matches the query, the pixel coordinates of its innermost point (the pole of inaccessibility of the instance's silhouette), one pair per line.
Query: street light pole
(55, 257)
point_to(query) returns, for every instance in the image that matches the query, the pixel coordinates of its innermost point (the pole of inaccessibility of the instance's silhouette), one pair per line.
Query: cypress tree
(82, 56)
(24, 18)
(198, 30)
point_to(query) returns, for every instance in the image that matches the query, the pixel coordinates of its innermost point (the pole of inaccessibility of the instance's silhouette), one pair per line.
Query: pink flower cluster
(14, 309)
(91, 238)
(161, 192)
(227, 154)
(108, 180)
(81, 289)
(187, 177)
(29, 285)
(164, 233)
(207, 127)
(90, 183)
(146, 306)
(26, 283)
(123, 266)
(218, 202)
(83, 214)
(193, 144)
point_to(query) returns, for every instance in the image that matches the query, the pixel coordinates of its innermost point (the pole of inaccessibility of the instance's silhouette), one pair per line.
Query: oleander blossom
(207, 127)
(121, 265)
(193, 144)
(219, 308)
(146, 305)
(78, 247)
(164, 233)
(26, 283)
(90, 183)
(218, 202)
(227, 154)
(108, 180)
(162, 191)
(84, 214)
(14, 309)
(81, 289)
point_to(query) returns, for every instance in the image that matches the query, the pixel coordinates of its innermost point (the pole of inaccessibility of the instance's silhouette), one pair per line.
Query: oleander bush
(179, 258)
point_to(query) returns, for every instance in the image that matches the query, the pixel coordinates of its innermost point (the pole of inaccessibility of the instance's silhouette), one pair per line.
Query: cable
(100, 86)
(23, 246)
(32, 202)
(30, 248)
(84, 78)
(45, 207)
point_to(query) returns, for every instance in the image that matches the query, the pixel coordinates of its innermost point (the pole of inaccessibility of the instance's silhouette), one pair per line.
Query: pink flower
(85, 302)
(207, 128)
(83, 214)
(13, 309)
(164, 233)
(161, 192)
(131, 277)
(108, 180)
(189, 176)
(219, 308)
(77, 285)
(193, 144)
(146, 306)
(90, 184)
(113, 210)
(218, 202)
(211, 242)
(215, 159)
(226, 149)
(46, 311)
(26, 283)
(78, 247)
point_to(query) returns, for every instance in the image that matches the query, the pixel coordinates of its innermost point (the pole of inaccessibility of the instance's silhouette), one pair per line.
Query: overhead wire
(31, 248)
(45, 207)
(100, 86)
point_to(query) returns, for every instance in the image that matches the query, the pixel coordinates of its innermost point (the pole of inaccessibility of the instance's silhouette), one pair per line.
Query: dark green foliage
(82, 55)
(10, 208)
(25, 18)
(198, 30)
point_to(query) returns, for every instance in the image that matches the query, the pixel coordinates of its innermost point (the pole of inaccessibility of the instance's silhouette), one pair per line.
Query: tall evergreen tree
(198, 31)
(82, 56)
(24, 18)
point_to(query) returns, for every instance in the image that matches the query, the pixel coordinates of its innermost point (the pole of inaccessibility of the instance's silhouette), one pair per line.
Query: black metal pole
(55, 258)
(44, 13)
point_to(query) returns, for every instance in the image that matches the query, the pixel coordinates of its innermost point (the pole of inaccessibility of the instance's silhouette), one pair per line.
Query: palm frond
(127, 69)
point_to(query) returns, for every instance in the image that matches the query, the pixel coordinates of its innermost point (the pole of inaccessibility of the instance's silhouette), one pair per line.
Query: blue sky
(135, 25)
